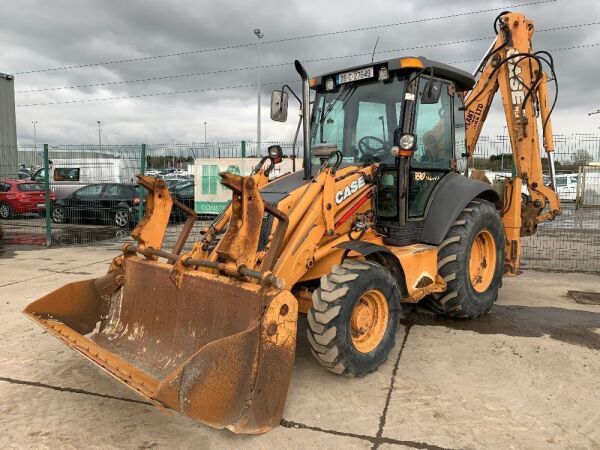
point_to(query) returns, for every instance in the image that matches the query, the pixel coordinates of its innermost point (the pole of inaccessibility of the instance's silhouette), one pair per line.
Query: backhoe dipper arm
(511, 67)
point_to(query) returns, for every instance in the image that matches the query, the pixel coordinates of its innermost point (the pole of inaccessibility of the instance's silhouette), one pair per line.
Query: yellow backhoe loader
(381, 215)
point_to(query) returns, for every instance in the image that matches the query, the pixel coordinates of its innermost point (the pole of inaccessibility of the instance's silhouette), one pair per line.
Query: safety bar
(265, 278)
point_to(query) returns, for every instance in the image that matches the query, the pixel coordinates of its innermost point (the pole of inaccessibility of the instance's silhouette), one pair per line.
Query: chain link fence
(87, 194)
(571, 242)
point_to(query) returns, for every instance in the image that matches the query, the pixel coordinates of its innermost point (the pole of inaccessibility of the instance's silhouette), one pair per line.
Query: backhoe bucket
(217, 349)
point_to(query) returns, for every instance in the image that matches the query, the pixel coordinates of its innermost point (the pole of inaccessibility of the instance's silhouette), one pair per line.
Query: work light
(407, 141)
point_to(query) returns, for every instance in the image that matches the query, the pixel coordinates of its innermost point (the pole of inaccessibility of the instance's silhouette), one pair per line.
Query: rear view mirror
(431, 92)
(279, 106)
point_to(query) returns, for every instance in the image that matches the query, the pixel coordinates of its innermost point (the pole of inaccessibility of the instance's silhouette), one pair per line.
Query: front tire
(6, 211)
(471, 260)
(354, 318)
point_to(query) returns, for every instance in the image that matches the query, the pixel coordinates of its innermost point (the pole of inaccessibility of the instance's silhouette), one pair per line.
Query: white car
(566, 186)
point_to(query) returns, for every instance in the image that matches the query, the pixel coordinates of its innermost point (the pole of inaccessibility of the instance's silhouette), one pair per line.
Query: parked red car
(22, 196)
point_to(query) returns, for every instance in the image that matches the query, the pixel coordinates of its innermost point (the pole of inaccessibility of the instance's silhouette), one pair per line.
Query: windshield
(360, 118)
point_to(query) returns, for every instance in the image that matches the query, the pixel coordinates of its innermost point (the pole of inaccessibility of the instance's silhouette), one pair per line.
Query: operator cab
(404, 114)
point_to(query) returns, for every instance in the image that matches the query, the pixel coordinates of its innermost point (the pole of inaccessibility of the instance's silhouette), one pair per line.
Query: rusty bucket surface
(217, 349)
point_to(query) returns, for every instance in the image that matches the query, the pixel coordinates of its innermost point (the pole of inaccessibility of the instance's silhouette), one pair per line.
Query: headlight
(329, 84)
(407, 141)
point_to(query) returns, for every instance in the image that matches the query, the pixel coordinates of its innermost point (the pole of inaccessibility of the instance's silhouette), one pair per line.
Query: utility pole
(34, 135)
(259, 35)
(99, 133)
(505, 140)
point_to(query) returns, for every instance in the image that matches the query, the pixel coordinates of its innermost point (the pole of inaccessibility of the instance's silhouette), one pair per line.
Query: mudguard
(452, 195)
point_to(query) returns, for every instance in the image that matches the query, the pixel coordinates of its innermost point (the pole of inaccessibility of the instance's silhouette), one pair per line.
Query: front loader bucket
(216, 349)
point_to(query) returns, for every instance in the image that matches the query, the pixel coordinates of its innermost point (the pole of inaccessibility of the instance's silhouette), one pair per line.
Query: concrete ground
(524, 376)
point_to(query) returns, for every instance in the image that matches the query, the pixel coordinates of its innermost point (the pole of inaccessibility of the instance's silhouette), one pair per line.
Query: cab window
(435, 148)
(372, 120)
(433, 129)
(332, 129)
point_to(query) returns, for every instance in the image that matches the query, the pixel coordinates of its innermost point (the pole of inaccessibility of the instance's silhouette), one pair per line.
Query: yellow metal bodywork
(419, 265)
(153, 225)
(511, 78)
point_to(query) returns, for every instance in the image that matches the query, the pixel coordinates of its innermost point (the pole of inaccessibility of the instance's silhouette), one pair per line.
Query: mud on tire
(330, 320)
(461, 299)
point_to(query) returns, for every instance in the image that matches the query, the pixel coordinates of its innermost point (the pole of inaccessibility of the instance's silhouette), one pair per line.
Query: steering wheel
(366, 147)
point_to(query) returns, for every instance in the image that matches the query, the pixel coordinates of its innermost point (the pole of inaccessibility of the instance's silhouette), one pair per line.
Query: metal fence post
(47, 197)
(141, 189)
(243, 149)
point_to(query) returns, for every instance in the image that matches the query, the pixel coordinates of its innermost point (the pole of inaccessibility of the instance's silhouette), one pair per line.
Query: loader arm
(512, 67)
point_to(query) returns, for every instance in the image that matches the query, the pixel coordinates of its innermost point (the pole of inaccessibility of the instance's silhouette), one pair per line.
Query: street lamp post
(34, 135)
(204, 134)
(259, 35)
(99, 133)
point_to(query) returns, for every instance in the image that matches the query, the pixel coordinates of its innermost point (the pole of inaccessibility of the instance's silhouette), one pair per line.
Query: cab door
(434, 152)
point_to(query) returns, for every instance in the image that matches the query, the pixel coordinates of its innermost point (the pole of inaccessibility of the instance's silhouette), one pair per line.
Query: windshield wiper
(335, 100)
(348, 89)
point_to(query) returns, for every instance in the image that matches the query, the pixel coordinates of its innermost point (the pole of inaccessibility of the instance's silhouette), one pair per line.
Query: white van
(68, 175)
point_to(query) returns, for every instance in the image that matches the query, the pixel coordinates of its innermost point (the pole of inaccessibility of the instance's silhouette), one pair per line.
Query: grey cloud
(38, 34)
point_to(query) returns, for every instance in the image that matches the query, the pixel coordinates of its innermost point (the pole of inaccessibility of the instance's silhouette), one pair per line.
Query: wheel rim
(58, 215)
(4, 211)
(482, 262)
(121, 218)
(369, 321)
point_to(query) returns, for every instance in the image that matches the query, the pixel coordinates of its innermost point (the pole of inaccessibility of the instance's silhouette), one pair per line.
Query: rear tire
(354, 318)
(121, 218)
(474, 243)
(6, 211)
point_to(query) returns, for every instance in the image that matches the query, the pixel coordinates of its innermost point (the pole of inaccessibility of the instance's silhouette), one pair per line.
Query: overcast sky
(37, 34)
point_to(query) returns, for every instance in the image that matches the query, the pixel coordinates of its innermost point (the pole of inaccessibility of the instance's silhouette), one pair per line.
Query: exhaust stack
(305, 119)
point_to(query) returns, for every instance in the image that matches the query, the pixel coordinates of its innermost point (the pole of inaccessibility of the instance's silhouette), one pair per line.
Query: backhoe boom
(512, 67)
